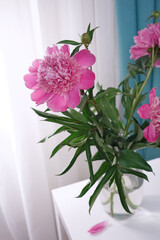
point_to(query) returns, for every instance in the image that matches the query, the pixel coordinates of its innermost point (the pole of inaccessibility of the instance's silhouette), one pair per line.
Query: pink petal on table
(98, 227)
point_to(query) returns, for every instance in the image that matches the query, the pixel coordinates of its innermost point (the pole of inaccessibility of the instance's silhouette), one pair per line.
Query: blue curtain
(131, 16)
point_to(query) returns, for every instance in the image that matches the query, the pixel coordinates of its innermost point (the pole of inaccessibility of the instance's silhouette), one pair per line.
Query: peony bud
(156, 14)
(85, 38)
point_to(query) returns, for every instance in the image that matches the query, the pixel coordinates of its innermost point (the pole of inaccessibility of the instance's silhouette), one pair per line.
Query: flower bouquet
(65, 82)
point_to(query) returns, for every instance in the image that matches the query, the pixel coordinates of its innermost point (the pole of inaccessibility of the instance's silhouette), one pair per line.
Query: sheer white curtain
(27, 175)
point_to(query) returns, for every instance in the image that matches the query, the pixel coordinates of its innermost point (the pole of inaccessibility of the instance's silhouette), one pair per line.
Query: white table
(73, 220)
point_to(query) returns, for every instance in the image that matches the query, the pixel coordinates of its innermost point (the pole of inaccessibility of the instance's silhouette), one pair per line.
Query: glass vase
(133, 189)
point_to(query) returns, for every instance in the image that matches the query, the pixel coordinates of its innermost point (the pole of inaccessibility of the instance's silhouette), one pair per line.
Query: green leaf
(143, 62)
(88, 28)
(59, 130)
(66, 113)
(127, 103)
(66, 121)
(96, 157)
(118, 180)
(88, 154)
(75, 50)
(137, 130)
(158, 141)
(136, 173)
(139, 145)
(110, 114)
(120, 124)
(126, 79)
(134, 69)
(77, 153)
(53, 116)
(69, 42)
(99, 127)
(102, 169)
(99, 143)
(111, 111)
(43, 140)
(66, 142)
(78, 116)
(106, 121)
(87, 113)
(140, 100)
(109, 93)
(91, 33)
(131, 159)
(78, 141)
(47, 109)
(98, 189)
(112, 179)
(83, 102)
(56, 118)
(77, 126)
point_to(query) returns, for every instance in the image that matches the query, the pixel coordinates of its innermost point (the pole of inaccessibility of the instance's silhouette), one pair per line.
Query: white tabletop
(144, 225)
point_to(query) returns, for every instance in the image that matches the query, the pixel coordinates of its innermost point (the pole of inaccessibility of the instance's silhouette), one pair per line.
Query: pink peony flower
(146, 39)
(58, 78)
(99, 227)
(151, 111)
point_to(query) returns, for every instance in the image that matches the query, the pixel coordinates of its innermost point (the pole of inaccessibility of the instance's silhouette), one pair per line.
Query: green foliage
(69, 42)
(108, 174)
(131, 159)
(118, 180)
(98, 122)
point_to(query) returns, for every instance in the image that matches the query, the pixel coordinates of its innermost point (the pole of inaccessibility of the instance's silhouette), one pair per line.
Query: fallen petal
(98, 227)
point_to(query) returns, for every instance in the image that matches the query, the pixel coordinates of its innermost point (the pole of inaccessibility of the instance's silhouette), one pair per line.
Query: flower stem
(111, 204)
(154, 55)
(136, 99)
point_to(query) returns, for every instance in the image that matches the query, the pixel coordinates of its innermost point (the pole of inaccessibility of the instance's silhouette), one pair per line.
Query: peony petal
(30, 80)
(137, 52)
(65, 49)
(144, 111)
(87, 79)
(152, 95)
(150, 133)
(98, 227)
(52, 50)
(39, 96)
(74, 98)
(58, 103)
(85, 58)
(35, 65)
(157, 63)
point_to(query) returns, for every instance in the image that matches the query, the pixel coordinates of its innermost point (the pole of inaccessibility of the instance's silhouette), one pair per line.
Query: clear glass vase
(133, 188)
